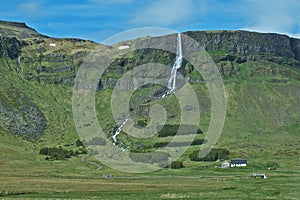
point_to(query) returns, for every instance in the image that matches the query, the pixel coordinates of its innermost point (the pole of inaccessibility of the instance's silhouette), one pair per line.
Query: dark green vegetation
(261, 75)
(213, 155)
(171, 130)
(59, 153)
(178, 144)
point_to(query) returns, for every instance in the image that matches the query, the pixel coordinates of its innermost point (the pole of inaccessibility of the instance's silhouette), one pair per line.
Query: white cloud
(30, 8)
(164, 13)
(273, 16)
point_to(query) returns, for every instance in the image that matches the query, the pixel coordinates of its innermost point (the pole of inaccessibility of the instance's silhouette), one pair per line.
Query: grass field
(26, 175)
(207, 184)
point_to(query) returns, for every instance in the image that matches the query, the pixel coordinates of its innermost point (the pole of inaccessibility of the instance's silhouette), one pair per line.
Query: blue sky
(99, 19)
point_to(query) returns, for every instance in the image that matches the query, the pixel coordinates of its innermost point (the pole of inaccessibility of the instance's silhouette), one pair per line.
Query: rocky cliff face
(59, 65)
(246, 43)
(10, 46)
(21, 116)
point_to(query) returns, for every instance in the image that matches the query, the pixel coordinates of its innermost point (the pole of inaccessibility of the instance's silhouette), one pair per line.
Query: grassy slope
(262, 125)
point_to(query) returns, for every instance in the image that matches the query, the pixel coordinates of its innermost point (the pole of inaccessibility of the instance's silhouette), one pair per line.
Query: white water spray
(119, 129)
(176, 65)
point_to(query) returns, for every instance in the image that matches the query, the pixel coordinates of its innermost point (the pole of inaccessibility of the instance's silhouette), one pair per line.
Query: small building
(225, 164)
(238, 163)
(107, 176)
(52, 45)
(259, 175)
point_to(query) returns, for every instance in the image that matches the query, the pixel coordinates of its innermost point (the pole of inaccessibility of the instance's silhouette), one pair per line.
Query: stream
(171, 85)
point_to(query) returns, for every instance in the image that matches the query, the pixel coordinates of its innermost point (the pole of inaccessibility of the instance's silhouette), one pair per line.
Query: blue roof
(238, 161)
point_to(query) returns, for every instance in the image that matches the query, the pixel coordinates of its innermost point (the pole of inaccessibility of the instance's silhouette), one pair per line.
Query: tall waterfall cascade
(177, 64)
(171, 83)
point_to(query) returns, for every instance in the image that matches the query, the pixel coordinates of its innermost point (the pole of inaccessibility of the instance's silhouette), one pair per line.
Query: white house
(52, 45)
(225, 164)
(238, 163)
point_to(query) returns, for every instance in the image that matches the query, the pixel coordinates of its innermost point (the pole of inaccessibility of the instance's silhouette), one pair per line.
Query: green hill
(261, 73)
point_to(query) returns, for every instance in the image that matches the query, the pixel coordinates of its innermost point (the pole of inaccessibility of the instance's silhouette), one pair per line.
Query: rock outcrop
(21, 116)
(18, 29)
(246, 43)
(10, 46)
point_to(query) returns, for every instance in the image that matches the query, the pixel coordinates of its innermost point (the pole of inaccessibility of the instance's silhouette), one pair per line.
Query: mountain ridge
(19, 30)
(211, 40)
(245, 42)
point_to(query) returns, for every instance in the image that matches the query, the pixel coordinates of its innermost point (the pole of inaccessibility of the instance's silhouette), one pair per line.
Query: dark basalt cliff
(10, 46)
(248, 44)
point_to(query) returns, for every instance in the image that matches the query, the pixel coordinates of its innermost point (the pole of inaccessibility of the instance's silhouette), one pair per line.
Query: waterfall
(20, 71)
(171, 83)
(176, 65)
(19, 60)
(114, 137)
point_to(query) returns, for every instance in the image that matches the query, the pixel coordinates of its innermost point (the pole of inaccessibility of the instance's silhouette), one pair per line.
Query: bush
(177, 165)
(213, 155)
(55, 153)
(79, 143)
(178, 144)
(198, 142)
(171, 130)
(141, 123)
(58, 153)
(160, 144)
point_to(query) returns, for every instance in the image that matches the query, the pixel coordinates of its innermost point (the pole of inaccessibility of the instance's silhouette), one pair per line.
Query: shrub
(179, 144)
(160, 144)
(177, 165)
(213, 155)
(79, 143)
(171, 130)
(198, 142)
(141, 123)
(58, 153)
(55, 153)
